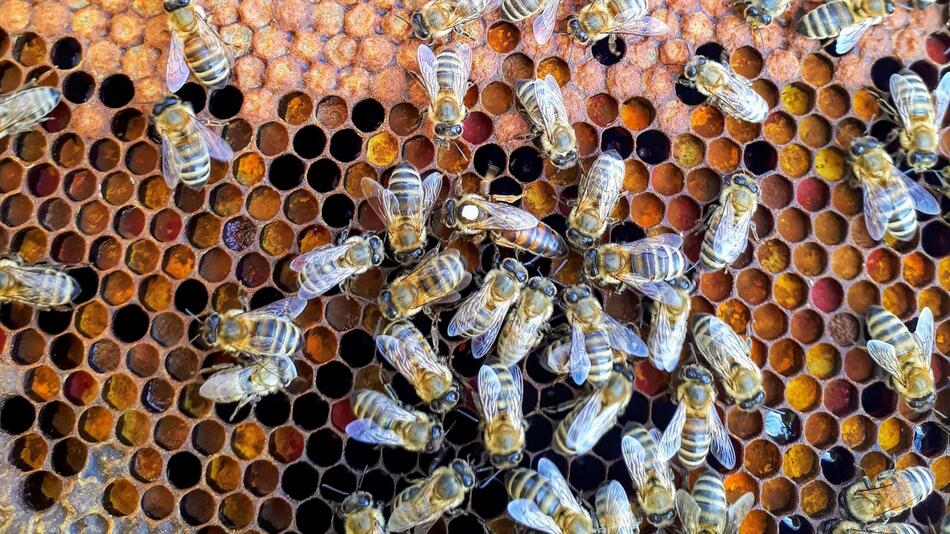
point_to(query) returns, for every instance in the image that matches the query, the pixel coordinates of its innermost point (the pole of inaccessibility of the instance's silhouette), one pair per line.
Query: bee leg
(612, 44)
(754, 232)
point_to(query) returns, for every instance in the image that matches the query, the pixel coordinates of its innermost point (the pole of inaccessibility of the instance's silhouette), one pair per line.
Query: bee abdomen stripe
(827, 20)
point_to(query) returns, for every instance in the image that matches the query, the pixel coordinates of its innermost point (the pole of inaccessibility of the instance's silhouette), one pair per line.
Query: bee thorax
(469, 213)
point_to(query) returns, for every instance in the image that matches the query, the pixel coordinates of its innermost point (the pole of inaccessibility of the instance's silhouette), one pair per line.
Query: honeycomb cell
(794, 160)
(797, 98)
(800, 463)
(803, 393)
(821, 429)
(817, 70)
(893, 436)
(809, 259)
(29, 452)
(857, 432)
(769, 322)
(197, 507)
(778, 496)
(707, 121)
(41, 489)
(817, 499)
(158, 502)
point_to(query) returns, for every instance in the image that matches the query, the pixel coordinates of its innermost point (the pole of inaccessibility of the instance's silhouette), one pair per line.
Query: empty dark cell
(936, 239)
(689, 95)
(286, 172)
(662, 412)
(275, 515)
(462, 360)
(88, 283)
(324, 447)
(760, 157)
(837, 465)
(607, 53)
(309, 142)
(314, 516)
(357, 348)
(403, 388)
(653, 147)
(505, 185)
(273, 410)
(466, 523)
(929, 439)
(264, 296)
(66, 53)
(310, 411)
(227, 412)
(711, 51)
(338, 211)
(360, 455)
(927, 72)
(608, 447)
(536, 372)
(54, 322)
(783, 426)
(323, 176)
(638, 410)
(878, 400)
(345, 145)
(490, 155)
(300, 481)
(338, 483)
(556, 398)
(529, 399)
(526, 164)
(194, 94)
(881, 130)
(461, 426)
(69, 457)
(116, 91)
(368, 115)
(379, 484)
(226, 102)
(184, 470)
(78, 87)
(587, 472)
(41, 489)
(399, 461)
(489, 501)
(130, 323)
(930, 511)
(795, 524)
(16, 415)
(128, 124)
(626, 232)
(191, 297)
(881, 72)
(620, 140)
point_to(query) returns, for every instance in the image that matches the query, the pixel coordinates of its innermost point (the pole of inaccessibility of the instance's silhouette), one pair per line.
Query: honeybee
(481, 315)
(38, 286)
(846, 20)
(668, 324)
(248, 384)
(541, 240)
(696, 428)
(187, 144)
(500, 392)
(890, 196)
(404, 209)
(361, 515)
(728, 356)
(650, 470)
(471, 214)
(445, 78)
(194, 45)
(597, 193)
(380, 420)
(267, 331)
(321, 269)
(427, 500)
(543, 25)
(760, 13)
(729, 223)
(525, 325)
(542, 500)
(614, 514)
(905, 357)
(592, 417)
(892, 492)
(438, 18)
(706, 511)
(543, 104)
(608, 18)
(725, 89)
(646, 265)
(435, 280)
(406, 349)
(843, 526)
(21, 110)
(920, 121)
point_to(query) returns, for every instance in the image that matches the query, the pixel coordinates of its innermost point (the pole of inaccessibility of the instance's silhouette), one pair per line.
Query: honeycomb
(101, 421)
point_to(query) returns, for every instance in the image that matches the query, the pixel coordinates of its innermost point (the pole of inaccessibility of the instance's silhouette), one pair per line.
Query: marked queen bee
(445, 78)
(542, 500)
(194, 45)
(706, 510)
(380, 420)
(597, 193)
(614, 514)
(729, 223)
(264, 332)
(427, 500)
(905, 357)
(696, 428)
(608, 18)
(886, 496)
(500, 394)
(404, 209)
(249, 383)
(438, 18)
(595, 415)
(21, 110)
(729, 357)
(542, 103)
(649, 467)
(481, 315)
(39, 286)
(846, 20)
(188, 146)
(321, 269)
(919, 116)
(725, 89)
(406, 349)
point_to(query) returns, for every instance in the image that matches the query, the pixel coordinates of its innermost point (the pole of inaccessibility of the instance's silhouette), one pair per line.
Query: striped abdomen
(37, 286)
(601, 357)
(541, 240)
(507, 384)
(640, 433)
(371, 405)
(619, 6)
(449, 70)
(695, 443)
(206, 58)
(709, 258)
(826, 20)
(444, 275)
(277, 336)
(524, 90)
(515, 10)
(886, 327)
(660, 263)
(528, 484)
(22, 110)
(710, 495)
(913, 90)
(191, 155)
(406, 186)
(903, 221)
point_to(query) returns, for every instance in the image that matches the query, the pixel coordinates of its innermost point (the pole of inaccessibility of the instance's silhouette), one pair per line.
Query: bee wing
(416, 510)
(218, 148)
(650, 243)
(516, 395)
(460, 80)
(503, 217)
(319, 258)
(176, 70)
(943, 98)
(466, 317)
(468, 10)
(877, 209)
(730, 235)
(579, 362)
(550, 101)
(408, 357)
(688, 511)
(902, 96)
(369, 432)
(489, 391)
(225, 385)
(925, 333)
(924, 202)
(287, 309)
(587, 426)
(382, 200)
(721, 445)
(618, 508)
(672, 437)
(886, 356)
(722, 346)
(623, 338)
(658, 291)
(635, 456)
(211, 35)
(427, 70)
(548, 470)
(33, 281)
(171, 164)
(667, 340)
(737, 98)
(544, 23)
(635, 21)
(526, 512)
(431, 187)
(737, 512)
(850, 35)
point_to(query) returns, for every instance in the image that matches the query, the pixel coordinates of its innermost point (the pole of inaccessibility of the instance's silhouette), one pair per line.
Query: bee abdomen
(710, 495)
(195, 163)
(903, 221)
(38, 103)
(448, 68)
(640, 433)
(826, 20)
(208, 61)
(515, 10)
(886, 327)
(695, 443)
(406, 186)
(601, 358)
(914, 90)
(662, 263)
(528, 484)
(540, 240)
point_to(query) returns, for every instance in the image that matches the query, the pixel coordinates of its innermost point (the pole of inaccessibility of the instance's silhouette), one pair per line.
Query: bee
(608, 18)
(729, 223)
(843, 526)
(760, 13)
(445, 78)
(543, 104)
(404, 209)
(920, 121)
(542, 500)
(42, 287)
(267, 331)
(321, 269)
(890, 196)
(524, 328)
(696, 428)
(406, 349)
(597, 193)
(500, 393)
(438, 18)
(435, 280)
(540, 240)
(725, 89)
(650, 470)
(248, 384)
(361, 515)
(187, 144)
(594, 416)
(669, 316)
(481, 315)
(381, 420)
(846, 20)
(425, 501)
(544, 23)
(892, 492)
(471, 214)
(904, 356)
(729, 357)
(706, 511)
(21, 110)
(614, 514)
(196, 46)
(646, 265)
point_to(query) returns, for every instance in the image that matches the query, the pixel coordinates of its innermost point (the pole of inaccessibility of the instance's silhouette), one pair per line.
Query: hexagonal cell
(821, 429)
(817, 499)
(800, 463)
(857, 432)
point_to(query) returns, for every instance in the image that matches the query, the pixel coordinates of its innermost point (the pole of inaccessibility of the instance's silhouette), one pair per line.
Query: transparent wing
(852, 34)
(658, 291)
(287, 308)
(32, 283)
(721, 445)
(688, 511)
(650, 243)
(212, 37)
(721, 347)
(667, 340)
(416, 510)
(527, 513)
(322, 257)
(382, 200)
(176, 70)
(886, 356)
(924, 202)
(636, 22)
(635, 456)
(171, 164)
(408, 357)
(730, 235)
(431, 187)
(943, 98)
(427, 70)
(544, 23)
(601, 185)
(489, 391)
(877, 209)
(503, 217)
(738, 98)
(369, 432)
(548, 470)
(225, 385)
(460, 81)
(618, 508)
(579, 362)
(902, 97)
(737, 512)
(550, 101)
(672, 437)
(925, 333)
(482, 343)
(468, 10)
(583, 430)
(218, 148)
(516, 395)
(465, 320)
(624, 339)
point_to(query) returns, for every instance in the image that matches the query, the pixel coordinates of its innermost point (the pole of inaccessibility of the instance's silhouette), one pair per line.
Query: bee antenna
(329, 487)
(489, 479)
(468, 416)
(402, 19)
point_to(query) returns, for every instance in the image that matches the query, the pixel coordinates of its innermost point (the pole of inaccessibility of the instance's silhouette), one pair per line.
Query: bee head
(661, 518)
(574, 294)
(386, 305)
(164, 104)
(565, 160)
(450, 213)
(357, 501)
(419, 29)
(174, 5)
(579, 240)
(692, 68)
(697, 373)
(376, 249)
(889, 7)
(448, 132)
(863, 144)
(922, 160)
(756, 17)
(746, 181)
(921, 404)
(506, 461)
(517, 270)
(684, 283)
(410, 256)
(590, 262)
(435, 438)
(447, 401)
(210, 328)
(543, 285)
(464, 471)
(754, 401)
(577, 31)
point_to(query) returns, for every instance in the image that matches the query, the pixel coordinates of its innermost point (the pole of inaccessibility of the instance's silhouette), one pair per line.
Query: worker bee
(843, 526)
(597, 193)
(524, 328)
(500, 392)
(760, 13)
(728, 356)
(267, 331)
(406, 349)
(729, 223)
(696, 428)
(920, 121)
(404, 208)
(668, 324)
(905, 357)
(892, 492)
(21, 110)
(594, 416)
(187, 144)
(481, 315)
(542, 500)
(890, 196)
(194, 45)
(438, 18)
(846, 20)
(249, 383)
(646, 265)
(321, 269)
(435, 280)
(725, 89)
(427, 500)
(706, 511)
(42, 287)
(445, 78)
(544, 23)
(543, 104)
(650, 470)
(361, 515)
(608, 18)
(381, 420)
(614, 514)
